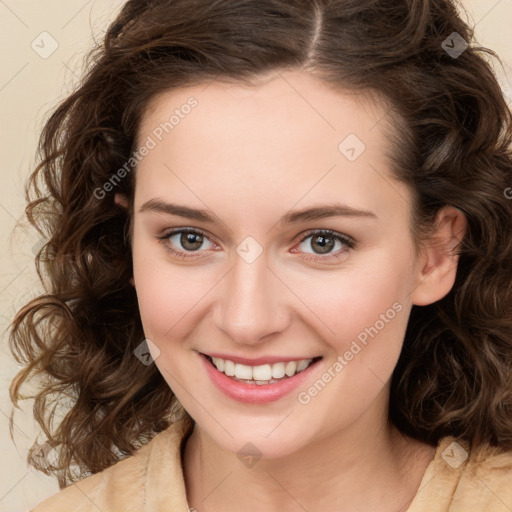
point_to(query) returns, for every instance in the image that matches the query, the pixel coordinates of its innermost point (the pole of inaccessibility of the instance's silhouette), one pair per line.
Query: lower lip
(255, 393)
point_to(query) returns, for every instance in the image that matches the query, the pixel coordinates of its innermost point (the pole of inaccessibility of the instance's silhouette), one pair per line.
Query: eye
(186, 243)
(187, 240)
(322, 244)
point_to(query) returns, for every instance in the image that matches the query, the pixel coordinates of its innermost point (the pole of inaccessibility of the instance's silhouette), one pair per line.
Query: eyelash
(344, 239)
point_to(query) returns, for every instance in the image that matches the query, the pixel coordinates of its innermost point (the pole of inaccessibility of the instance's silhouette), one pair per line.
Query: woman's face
(259, 285)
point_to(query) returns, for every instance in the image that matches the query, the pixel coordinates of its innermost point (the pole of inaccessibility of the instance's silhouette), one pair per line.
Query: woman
(278, 264)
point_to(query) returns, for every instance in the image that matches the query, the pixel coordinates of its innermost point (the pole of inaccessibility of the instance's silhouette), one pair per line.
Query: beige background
(31, 83)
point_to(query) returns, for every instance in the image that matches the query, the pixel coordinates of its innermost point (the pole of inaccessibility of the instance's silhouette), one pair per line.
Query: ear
(437, 265)
(121, 200)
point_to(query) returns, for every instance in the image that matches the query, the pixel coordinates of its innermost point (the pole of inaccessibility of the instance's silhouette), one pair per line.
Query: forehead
(280, 99)
(291, 138)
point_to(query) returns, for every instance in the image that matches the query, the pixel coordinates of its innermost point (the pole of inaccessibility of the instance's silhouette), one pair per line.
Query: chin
(265, 437)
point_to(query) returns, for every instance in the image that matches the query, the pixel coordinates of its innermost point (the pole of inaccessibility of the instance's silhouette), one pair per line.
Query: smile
(261, 374)
(257, 384)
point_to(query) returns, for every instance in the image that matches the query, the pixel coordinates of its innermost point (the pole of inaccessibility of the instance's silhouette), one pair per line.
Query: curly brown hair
(452, 146)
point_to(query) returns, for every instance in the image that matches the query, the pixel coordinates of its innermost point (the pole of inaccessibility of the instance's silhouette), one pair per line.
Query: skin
(251, 155)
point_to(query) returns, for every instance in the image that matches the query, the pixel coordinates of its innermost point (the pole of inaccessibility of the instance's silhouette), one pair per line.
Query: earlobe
(437, 266)
(121, 200)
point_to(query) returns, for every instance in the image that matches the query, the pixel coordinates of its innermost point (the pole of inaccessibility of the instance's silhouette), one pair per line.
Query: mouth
(257, 383)
(262, 374)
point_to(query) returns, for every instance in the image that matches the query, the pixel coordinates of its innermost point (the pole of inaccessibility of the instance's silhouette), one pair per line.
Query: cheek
(167, 294)
(363, 316)
(350, 302)
(364, 320)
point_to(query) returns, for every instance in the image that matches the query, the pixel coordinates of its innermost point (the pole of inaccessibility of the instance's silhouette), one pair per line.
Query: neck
(366, 466)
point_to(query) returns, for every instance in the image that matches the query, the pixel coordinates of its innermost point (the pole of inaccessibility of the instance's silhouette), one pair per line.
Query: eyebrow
(306, 214)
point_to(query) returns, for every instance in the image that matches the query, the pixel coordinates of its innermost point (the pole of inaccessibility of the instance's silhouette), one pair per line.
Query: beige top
(152, 481)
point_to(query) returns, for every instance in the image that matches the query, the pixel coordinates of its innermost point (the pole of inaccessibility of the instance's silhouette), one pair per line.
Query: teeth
(278, 370)
(229, 368)
(219, 363)
(290, 368)
(303, 364)
(243, 372)
(263, 374)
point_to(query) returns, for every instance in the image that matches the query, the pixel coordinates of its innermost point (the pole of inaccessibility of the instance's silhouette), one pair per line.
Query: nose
(252, 302)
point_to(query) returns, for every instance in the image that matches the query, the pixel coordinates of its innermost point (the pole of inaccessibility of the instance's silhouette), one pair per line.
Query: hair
(95, 402)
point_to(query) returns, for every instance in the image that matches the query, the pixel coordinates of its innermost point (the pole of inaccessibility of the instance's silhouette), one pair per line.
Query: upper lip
(258, 360)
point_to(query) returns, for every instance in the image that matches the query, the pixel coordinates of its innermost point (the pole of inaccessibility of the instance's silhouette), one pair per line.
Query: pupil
(194, 239)
(326, 244)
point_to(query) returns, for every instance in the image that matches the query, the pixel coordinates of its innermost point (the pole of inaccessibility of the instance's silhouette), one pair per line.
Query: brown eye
(191, 241)
(185, 243)
(322, 244)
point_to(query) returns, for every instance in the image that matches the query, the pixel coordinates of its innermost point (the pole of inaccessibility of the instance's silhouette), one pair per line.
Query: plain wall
(31, 83)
